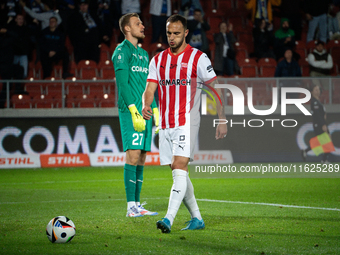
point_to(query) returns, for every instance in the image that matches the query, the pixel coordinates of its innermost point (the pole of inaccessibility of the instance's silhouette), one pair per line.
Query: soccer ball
(60, 230)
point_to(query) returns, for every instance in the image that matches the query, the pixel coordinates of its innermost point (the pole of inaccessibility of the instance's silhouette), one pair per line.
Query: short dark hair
(320, 42)
(178, 18)
(225, 22)
(54, 17)
(125, 20)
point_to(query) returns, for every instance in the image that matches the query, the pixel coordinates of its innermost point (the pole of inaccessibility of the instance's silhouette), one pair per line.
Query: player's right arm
(148, 97)
(122, 80)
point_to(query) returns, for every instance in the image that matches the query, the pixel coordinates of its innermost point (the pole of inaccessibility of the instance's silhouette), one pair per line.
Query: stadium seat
(87, 69)
(266, 71)
(21, 101)
(107, 102)
(104, 55)
(267, 62)
(53, 89)
(333, 44)
(303, 63)
(96, 89)
(240, 5)
(42, 101)
(33, 89)
(236, 21)
(310, 46)
(266, 67)
(74, 89)
(214, 22)
(241, 50)
(85, 101)
(248, 67)
(34, 70)
(106, 70)
(154, 47)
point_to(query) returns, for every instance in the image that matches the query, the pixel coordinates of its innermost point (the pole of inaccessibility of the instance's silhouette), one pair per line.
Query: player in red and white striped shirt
(179, 72)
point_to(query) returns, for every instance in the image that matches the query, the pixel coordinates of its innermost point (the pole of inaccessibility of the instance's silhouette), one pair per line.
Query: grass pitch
(242, 215)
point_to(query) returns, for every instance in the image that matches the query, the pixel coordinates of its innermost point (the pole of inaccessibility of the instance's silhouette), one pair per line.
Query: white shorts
(179, 141)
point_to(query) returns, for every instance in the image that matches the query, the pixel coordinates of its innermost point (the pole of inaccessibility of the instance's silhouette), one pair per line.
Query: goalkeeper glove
(156, 118)
(137, 119)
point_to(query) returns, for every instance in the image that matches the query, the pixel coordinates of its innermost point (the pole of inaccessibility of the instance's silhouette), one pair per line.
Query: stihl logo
(65, 160)
(56, 160)
(16, 161)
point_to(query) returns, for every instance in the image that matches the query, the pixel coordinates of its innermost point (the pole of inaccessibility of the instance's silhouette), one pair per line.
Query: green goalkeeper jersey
(131, 68)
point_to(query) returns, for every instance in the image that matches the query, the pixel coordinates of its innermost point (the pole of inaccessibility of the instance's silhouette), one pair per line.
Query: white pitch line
(269, 204)
(72, 181)
(165, 198)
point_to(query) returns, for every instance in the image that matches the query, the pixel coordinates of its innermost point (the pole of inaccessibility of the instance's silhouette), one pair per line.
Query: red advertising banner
(64, 160)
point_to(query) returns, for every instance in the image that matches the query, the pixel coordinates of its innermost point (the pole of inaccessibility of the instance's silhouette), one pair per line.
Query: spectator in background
(188, 7)
(160, 11)
(316, 13)
(4, 19)
(197, 37)
(8, 70)
(320, 61)
(52, 45)
(85, 33)
(320, 64)
(130, 6)
(43, 17)
(284, 39)
(224, 50)
(261, 9)
(263, 39)
(106, 20)
(288, 67)
(333, 22)
(22, 45)
(291, 9)
(66, 8)
(13, 8)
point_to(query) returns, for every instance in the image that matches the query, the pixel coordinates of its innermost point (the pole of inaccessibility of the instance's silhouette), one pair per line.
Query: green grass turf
(94, 198)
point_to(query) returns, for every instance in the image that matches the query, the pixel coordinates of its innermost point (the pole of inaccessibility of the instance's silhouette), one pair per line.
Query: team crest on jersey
(120, 58)
(184, 65)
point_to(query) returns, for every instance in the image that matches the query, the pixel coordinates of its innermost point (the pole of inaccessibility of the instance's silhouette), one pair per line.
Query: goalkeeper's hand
(137, 119)
(156, 118)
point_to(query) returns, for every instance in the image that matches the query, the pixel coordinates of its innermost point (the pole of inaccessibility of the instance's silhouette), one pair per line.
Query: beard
(138, 35)
(177, 46)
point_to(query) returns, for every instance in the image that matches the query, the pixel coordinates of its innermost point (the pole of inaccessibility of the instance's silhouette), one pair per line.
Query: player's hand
(137, 119)
(147, 112)
(221, 131)
(156, 118)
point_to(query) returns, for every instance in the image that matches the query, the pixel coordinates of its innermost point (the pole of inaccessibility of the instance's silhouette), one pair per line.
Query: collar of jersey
(131, 45)
(175, 56)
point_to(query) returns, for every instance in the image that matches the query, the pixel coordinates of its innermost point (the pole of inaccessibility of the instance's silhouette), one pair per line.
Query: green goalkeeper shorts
(133, 140)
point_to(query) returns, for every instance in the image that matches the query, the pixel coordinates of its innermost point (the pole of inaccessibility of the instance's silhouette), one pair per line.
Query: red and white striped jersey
(179, 78)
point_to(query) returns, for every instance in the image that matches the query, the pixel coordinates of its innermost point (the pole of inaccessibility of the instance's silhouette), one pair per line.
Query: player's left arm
(207, 74)
(221, 129)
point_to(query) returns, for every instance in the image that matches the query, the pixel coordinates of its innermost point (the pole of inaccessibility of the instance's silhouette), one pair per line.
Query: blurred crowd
(65, 31)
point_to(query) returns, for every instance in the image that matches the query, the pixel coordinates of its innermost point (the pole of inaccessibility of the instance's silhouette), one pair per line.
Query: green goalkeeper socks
(130, 182)
(139, 182)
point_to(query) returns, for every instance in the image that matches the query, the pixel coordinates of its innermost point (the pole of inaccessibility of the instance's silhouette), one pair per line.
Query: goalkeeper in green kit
(131, 64)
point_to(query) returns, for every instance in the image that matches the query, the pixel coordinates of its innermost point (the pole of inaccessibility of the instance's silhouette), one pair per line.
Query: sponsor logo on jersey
(139, 69)
(177, 82)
